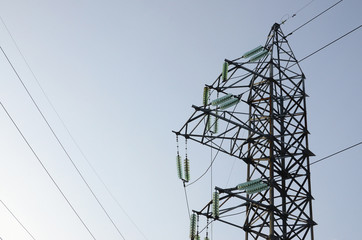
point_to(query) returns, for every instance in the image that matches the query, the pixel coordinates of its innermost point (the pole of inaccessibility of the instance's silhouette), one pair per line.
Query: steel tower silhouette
(256, 111)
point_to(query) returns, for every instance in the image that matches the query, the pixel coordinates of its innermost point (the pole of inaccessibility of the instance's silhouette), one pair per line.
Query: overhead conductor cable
(61, 145)
(71, 136)
(312, 19)
(22, 225)
(48, 173)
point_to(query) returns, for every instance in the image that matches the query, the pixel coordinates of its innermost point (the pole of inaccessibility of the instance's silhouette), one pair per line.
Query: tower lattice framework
(264, 123)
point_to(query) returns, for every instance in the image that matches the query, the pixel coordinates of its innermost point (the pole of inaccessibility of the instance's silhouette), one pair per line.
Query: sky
(122, 75)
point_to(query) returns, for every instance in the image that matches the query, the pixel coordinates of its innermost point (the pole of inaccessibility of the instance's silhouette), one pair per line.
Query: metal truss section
(256, 111)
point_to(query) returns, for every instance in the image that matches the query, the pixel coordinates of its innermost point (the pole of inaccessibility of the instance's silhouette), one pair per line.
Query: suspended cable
(233, 214)
(62, 146)
(22, 225)
(295, 14)
(68, 131)
(207, 169)
(211, 189)
(333, 154)
(207, 228)
(180, 173)
(46, 170)
(119, 205)
(103, 183)
(211, 177)
(207, 225)
(213, 160)
(302, 8)
(231, 170)
(232, 167)
(275, 75)
(312, 19)
(187, 200)
(330, 43)
(324, 47)
(26, 62)
(61, 120)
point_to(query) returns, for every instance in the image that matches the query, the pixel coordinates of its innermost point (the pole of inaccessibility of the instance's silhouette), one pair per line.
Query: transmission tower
(256, 111)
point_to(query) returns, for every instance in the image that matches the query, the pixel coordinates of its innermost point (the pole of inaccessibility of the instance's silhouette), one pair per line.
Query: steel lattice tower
(259, 116)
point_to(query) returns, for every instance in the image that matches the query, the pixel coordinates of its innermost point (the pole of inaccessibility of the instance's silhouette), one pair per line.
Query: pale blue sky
(123, 74)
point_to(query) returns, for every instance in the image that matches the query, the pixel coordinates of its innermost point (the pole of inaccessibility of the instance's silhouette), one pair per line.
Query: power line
(295, 14)
(207, 169)
(187, 200)
(22, 225)
(62, 146)
(211, 189)
(289, 67)
(275, 75)
(324, 46)
(302, 8)
(207, 225)
(115, 199)
(69, 133)
(233, 214)
(46, 170)
(331, 43)
(213, 160)
(333, 154)
(313, 19)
